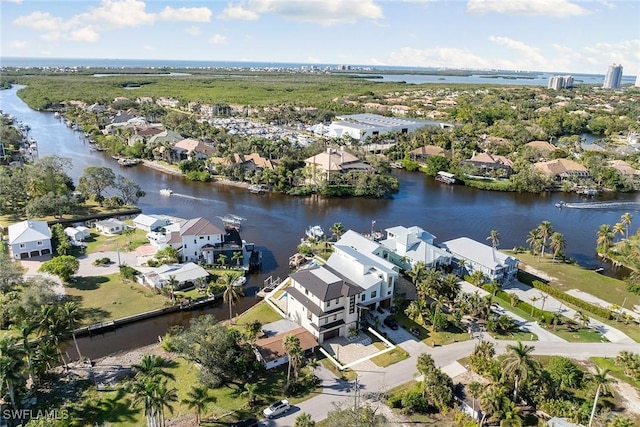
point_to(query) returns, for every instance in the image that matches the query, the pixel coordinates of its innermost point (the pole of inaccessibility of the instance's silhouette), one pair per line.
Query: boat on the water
(314, 232)
(166, 192)
(231, 221)
(128, 162)
(256, 189)
(561, 204)
(446, 177)
(240, 281)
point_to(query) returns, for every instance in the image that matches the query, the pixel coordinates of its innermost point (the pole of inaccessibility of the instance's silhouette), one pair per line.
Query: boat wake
(602, 205)
(186, 196)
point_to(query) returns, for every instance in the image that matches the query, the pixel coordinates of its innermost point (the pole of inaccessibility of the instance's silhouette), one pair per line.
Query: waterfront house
(110, 226)
(191, 149)
(421, 154)
(406, 247)
(253, 162)
(495, 265)
(150, 222)
(29, 239)
(185, 275)
(491, 164)
(330, 300)
(624, 168)
(196, 239)
(562, 169)
(77, 234)
(270, 350)
(325, 165)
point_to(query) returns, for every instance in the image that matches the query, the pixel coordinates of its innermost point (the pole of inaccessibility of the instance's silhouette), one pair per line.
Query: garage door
(331, 334)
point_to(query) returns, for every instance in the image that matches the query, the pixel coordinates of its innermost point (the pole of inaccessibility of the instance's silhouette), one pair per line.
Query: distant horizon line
(46, 58)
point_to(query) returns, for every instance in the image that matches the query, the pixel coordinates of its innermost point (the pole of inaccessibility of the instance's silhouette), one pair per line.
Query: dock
(269, 285)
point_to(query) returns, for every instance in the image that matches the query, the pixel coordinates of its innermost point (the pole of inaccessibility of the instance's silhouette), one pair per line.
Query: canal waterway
(276, 223)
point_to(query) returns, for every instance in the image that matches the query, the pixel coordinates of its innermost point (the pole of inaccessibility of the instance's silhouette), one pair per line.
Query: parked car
(390, 322)
(278, 408)
(249, 422)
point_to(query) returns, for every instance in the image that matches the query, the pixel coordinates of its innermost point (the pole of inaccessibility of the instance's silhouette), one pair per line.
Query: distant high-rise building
(560, 82)
(614, 77)
(638, 80)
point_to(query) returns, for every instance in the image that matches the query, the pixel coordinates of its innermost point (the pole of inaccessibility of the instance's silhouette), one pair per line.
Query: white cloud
(193, 30)
(557, 8)
(18, 44)
(217, 39)
(116, 14)
(86, 34)
(188, 14)
(37, 20)
(325, 12)
(239, 12)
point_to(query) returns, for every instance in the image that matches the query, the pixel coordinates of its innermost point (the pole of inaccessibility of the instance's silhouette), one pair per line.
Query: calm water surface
(275, 223)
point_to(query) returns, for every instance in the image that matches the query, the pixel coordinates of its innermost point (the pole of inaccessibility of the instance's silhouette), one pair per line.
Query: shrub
(599, 311)
(102, 261)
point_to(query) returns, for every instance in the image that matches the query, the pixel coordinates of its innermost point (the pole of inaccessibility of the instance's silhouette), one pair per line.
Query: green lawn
(572, 276)
(451, 335)
(617, 370)
(125, 242)
(107, 297)
(389, 358)
(261, 312)
(582, 335)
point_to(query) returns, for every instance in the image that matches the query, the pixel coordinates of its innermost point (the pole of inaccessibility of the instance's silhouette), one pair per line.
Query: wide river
(275, 223)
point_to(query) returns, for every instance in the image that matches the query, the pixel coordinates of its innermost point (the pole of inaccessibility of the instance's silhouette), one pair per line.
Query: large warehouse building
(362, 126)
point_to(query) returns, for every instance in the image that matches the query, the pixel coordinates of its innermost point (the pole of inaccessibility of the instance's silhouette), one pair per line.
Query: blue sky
(541, 35)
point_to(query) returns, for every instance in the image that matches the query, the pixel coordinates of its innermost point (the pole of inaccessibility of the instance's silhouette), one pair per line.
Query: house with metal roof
(366, 125)
(184, 275)
(470, 255)
(29, 239)
(150, 222)
(407, 246)
(329, 300)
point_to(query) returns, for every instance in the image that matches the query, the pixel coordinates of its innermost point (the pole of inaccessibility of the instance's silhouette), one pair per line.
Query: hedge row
(532, 310)
(592, 308)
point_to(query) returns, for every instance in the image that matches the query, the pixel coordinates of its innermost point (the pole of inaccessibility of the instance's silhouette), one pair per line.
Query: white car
(279, 407)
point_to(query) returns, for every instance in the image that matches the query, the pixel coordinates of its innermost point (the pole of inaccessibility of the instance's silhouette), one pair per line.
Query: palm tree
(291, 345)
(163, 398)
(425, 364)
(557, 244)
(582, 317)
(618, 228)
(604, 239)
(72, 317)
(52, 328)
(337, 230)
(462, 264)
(491, 402)
(152, 366)
(222, 260)
(143, 392)
(10, 367)
(534, 240)
(494, 236)
(250, 391)
(231, 293)
(197, 398)
(546, 230)
(475, 389)
(520, 364)
(510, 414)
(417, 272)
(26, 327)
(304, 420)
(601, 381)
(253, 329)
(172, 285)
(625, 219)
(237, 257)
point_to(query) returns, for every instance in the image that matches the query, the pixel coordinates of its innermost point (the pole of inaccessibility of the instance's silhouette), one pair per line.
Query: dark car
(249, 422)
(390, 322)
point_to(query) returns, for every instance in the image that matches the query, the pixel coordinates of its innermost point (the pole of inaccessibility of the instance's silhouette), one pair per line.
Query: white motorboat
(240, 281)
(314, 232)
(166, 192)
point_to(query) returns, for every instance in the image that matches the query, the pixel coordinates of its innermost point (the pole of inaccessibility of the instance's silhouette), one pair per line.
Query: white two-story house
(470, 255)
(330, 300)
(195, 239)
(405, 247)
(29, 239)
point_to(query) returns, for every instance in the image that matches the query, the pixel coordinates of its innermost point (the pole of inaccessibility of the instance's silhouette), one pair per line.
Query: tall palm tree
(337, 229)
(198, 398)
(152, 366)
(11, 365)
(494, 236)
(143, 392)
(604, 239)
(475, 390)
(172, 285)
(534, 240)
(601, 381)
(557, 244)
(291, 345)
(520, 364)
(417, 272)
(625, 219)
(52, 328)
(546, 230)
(26, 327)
(163, 398)
(72, 317)
(618, 228)
(231, 293)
